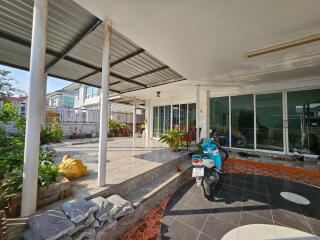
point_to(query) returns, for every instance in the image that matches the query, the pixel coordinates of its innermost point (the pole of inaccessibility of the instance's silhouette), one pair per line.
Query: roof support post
(104, 104)
(36, 86)
(134, 119)
(197, 113)
(44, 101)
(147, 120)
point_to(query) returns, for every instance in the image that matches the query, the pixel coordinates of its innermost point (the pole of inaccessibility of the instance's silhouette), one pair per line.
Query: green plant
(46, 155)
(172, 138)
(122, 125)
(51, 133)
(12, 152)
(11, 184)
(48, 173)
(112, 125)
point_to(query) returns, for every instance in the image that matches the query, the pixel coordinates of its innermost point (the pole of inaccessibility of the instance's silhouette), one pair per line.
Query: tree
(6, 87)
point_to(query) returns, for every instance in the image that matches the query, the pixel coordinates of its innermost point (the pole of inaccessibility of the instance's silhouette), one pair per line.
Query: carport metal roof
(74, 48)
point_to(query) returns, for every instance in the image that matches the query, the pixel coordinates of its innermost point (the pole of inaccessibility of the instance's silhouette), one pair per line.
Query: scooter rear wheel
(207, 189)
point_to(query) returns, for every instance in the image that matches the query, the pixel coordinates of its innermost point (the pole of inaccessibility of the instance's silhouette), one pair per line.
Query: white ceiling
(206, 40)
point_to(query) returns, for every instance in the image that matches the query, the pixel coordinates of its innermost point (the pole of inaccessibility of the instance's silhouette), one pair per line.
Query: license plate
(198, 172)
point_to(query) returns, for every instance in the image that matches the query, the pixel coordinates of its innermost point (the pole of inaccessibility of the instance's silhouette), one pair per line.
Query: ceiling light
(285, 45)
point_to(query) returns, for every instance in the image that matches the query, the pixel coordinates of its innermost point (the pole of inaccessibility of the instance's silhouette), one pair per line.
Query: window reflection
(219, 119)
(269, 121)
(242, 117)
(304, 121)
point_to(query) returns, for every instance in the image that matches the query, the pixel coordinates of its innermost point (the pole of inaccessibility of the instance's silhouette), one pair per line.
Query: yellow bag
(72, 168)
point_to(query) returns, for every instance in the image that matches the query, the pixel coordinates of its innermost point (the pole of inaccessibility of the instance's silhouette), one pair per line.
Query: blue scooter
(207, 168)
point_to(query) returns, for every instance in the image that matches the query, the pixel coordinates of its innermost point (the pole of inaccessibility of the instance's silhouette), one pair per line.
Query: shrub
(51, 133)
(12, 152)
(172, 137)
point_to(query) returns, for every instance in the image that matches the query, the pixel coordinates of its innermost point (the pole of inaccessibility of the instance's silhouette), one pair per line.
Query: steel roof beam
(125, 79)
(127, 57)
(149, 72)
(23, 42)
(88, 75)
(78, 40)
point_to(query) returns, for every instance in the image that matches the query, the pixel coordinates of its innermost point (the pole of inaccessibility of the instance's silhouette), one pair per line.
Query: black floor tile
(250, 198)
(248, 218)
(196, 190)
(258, 189)
(194, 218)
(205, 237)
(228, 214)
(232, 190)
(234, 182)
(217, 228)
(200, 202)
(173, 207)
(235, 176)
(179, 231)
(228, 200)
(311, 212)
(281, 203)
(315, 226)
(255, 179)
(297, 221)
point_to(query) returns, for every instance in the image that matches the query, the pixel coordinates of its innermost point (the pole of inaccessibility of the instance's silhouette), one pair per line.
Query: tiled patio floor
(125, 159)
(244, 198)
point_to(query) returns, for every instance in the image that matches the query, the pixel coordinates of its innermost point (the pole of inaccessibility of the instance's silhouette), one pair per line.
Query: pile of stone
(78, 219)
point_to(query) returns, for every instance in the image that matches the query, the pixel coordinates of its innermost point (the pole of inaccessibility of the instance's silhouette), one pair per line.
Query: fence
(70, 115)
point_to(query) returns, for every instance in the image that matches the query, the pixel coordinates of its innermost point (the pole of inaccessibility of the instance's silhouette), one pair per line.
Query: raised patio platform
(125, 159)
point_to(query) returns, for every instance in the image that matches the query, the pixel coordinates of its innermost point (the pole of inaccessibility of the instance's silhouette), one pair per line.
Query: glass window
(167, 117)
(242, 117)
(175, 116)
(161, 120)
(156, 122)
(192, 116)
(68, 101)
(183, 116)
(304, 121)
(90, 92)
(269, 121)
(219, 119)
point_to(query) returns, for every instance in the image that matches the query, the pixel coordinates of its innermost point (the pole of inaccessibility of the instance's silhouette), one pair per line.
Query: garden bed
(46, 195)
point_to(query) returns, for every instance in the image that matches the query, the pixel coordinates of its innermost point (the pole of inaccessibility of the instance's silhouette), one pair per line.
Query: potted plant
(172, 137)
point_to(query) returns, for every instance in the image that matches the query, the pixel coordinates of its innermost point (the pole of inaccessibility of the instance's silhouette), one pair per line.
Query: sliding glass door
(277, 122)
(242, 121)
(304, 121)
(219, 119)
(156, 133)
(269, 122)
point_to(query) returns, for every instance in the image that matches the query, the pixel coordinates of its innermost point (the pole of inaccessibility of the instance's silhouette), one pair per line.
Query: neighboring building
(20, 103)
(63, 98)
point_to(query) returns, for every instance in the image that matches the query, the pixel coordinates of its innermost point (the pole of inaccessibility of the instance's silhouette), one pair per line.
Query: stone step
(146, 198)
(146, 191)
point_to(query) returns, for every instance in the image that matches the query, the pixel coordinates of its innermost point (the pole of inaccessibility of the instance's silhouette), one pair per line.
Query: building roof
(15, 99)
(74, 48)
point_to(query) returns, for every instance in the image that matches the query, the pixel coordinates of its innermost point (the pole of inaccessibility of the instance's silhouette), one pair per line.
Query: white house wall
(187, 94)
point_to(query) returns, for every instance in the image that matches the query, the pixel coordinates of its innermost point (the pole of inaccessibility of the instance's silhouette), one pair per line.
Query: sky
(21, 78)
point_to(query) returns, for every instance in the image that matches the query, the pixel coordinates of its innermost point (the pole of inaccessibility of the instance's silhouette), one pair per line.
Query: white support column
(34, 110)
(44, 100)
(104, 104)
(134, 119)
(147, 120)
(197, 112)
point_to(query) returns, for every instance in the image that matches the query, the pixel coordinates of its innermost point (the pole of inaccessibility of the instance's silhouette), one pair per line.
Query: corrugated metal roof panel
(67, 21)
